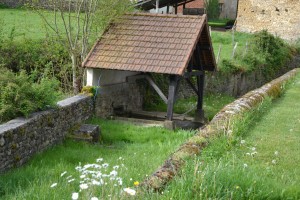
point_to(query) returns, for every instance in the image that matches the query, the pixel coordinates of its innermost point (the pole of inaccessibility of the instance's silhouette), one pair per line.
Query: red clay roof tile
(151, 43)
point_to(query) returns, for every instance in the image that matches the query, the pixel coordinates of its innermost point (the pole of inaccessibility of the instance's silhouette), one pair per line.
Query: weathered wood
(156, 88)
(192, 85)
(192, 73)
(200, 83)
(219, 53)
(171, 96)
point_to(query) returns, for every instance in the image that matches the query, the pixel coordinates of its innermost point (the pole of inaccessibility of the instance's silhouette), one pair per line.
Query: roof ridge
(166, 15)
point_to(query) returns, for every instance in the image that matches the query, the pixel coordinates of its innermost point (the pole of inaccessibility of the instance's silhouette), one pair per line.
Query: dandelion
(83, 186)
(129, 191)
(136, 183)
(243, 141)
(53, 185)
(75, 196)
(62, 174)
(94, 198)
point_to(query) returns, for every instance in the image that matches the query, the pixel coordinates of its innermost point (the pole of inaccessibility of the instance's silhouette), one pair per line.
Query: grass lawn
(225, 40)
(260, 161)
(142, 150)
(22, 23)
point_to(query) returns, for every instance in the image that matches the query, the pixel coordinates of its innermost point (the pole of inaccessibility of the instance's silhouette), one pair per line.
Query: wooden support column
(171, 96)
(199, 112)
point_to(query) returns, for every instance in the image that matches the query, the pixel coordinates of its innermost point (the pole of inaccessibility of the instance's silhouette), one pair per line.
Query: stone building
(279, 17)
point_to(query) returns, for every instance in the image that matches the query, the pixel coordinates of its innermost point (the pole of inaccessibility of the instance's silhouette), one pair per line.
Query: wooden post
(199, 112)
(175, 9)
(171, 96)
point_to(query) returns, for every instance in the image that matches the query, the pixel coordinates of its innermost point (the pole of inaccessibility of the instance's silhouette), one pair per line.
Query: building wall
(193, 4)
(229, 9)
(21, 138)
(279, 17)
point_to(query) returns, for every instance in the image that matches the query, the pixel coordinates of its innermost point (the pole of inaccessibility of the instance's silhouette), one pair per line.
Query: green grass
(260, 160)
(143, 150)
(22, 23)
(225, 40)
(213, 103)
(218, 22)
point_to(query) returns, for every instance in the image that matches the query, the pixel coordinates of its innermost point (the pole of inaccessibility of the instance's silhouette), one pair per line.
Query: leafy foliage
(212, 9)
(20, 96)
(266, 52)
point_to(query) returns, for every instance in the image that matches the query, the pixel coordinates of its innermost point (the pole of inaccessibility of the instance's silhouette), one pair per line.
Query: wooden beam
(192, 85)
(200, 83)
(171, 96)
(156, 88)
(193, 73)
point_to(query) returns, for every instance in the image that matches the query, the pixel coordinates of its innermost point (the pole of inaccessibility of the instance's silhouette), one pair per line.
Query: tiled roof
(150, 43)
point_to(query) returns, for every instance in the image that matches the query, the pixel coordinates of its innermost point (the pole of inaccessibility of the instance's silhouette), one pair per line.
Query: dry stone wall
(21, 138)
(279, 17)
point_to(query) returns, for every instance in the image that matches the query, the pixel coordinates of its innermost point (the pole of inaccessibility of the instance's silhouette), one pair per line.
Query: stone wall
(21, 138)
(235, 84)
(279, 17)
(120, 98)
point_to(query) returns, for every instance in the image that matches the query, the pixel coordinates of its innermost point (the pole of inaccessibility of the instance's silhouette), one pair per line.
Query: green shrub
(20, 96)
(39, 58)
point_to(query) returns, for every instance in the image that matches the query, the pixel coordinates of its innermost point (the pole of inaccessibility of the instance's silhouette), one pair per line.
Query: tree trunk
(74, 73)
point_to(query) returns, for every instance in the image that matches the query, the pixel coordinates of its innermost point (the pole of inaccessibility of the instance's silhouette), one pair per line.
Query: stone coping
(217, 126)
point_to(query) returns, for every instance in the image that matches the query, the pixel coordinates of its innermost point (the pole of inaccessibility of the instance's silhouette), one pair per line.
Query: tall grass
(258, 160)
(141, 150)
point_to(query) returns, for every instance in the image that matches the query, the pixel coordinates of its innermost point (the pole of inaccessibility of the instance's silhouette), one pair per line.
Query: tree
(78, 22)
(212, 9)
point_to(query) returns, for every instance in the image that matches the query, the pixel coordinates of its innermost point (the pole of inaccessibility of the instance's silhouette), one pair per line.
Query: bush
(39, 58)
(20, 96)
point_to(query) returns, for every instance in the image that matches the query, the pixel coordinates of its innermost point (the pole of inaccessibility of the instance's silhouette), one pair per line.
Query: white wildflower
(245, 165)
(62, 174)
(69, 177)
(274, 162)
(94, 198)
(83, 176)
(83, 186)
(105, 165)
(75, 196)
(116, 167)
(99, 160)
(253, 153)
(71, 180)
(248, 154)
(243, 141)
(120, 158)
(113, 173)
(129, 191)
(53, 185)
(253, 148)
(276, 153)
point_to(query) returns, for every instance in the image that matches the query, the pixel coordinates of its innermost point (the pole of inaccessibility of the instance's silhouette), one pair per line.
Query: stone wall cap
(72, 100)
